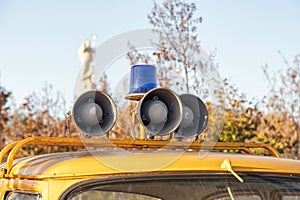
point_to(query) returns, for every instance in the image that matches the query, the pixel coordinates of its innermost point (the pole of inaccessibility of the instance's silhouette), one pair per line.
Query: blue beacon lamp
(142, 80)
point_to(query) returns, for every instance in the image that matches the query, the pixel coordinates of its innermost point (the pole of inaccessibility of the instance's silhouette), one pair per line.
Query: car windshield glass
(16, 195)
(217, 186)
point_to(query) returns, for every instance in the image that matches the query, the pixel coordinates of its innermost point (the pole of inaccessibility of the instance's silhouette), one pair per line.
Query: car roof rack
(11, 149)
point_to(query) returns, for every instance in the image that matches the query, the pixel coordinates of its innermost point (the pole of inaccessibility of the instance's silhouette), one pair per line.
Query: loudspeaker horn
(160, 111)
(94, 113)
(194, 117)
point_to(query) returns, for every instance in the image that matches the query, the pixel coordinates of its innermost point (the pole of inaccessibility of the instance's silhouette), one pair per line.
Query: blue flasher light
(142, 78)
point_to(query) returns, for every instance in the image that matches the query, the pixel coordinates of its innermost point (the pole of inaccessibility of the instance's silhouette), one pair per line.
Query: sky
(39, 40)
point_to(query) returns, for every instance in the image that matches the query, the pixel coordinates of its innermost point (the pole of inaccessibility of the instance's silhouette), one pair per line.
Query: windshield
(216, 186)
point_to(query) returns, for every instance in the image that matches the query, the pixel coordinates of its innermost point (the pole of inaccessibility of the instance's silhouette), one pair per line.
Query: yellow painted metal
(143, 144)
(13, 152)
(242, 146)
(32, 186)
(51, 174)
(72, 165)
(132, 144)
(57, 187)
(6, 149)
(142, 132)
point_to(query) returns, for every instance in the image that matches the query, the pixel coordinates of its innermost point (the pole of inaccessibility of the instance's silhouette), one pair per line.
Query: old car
(80, 175)
(165, 160)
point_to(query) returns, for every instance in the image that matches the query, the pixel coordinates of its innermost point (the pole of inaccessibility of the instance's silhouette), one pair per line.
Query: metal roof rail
(12, 148)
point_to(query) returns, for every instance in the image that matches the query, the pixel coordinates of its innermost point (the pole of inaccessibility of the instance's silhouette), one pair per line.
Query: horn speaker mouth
(160, 111)
(94, 113)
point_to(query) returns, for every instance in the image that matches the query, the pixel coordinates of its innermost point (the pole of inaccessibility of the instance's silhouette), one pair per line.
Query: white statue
(86, 56)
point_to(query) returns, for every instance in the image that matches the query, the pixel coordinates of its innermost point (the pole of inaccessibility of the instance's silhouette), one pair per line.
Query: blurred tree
(281, 124)
(4, 117)
(242, 116)
(178, 41)
(48, 101)
(276, 121)
(181, 64)
(42, 114)
(176, 51)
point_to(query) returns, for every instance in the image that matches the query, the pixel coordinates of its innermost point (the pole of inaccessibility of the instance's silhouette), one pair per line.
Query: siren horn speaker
(160, 111)
(194, 117)
(94, 113)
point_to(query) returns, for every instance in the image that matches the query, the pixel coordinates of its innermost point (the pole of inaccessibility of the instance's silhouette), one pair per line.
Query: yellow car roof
(148, 157)
(81, 164)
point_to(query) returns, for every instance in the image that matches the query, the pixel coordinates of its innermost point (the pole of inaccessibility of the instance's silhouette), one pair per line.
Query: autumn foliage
(274, 120)
(41, 114)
